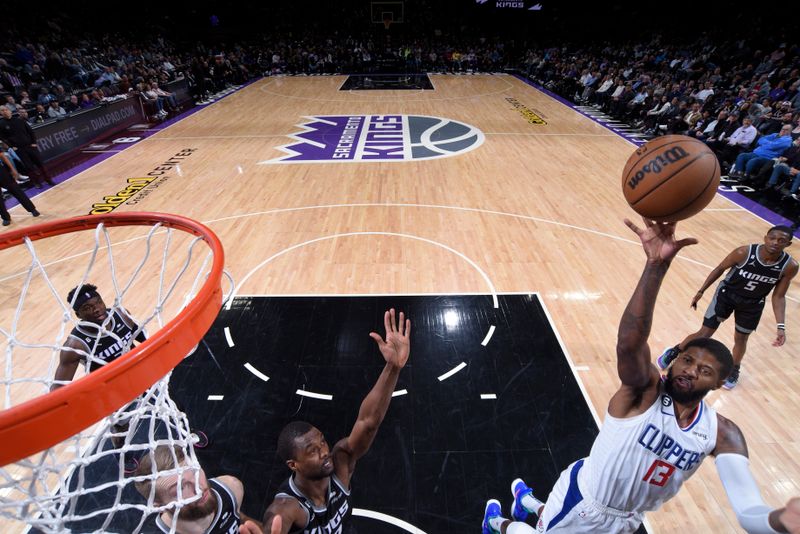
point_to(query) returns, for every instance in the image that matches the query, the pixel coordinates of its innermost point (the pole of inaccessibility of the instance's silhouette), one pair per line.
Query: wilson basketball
(670, 178)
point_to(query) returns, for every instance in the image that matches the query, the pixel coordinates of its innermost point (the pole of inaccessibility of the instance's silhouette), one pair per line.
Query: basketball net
(86, 483)
(387, 22)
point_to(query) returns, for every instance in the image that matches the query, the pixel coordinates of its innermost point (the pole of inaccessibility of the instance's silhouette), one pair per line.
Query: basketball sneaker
(492, 511)
(519, 490)
(667, 357)
(131, 464)
(733, 379)
(202, 439)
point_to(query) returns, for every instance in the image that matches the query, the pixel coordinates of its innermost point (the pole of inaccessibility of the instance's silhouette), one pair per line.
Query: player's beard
(195, 511)
(682, 396)
(322, 473)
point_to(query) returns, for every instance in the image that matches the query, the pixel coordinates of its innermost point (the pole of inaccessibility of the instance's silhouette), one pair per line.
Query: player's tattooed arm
(729, 438)
(638, 375)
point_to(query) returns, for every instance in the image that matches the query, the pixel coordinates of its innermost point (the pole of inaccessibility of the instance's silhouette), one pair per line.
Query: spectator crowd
(743, 102)
(734, 96)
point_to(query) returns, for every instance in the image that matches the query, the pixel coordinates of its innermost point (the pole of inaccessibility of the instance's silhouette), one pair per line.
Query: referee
(8, 180)
(19, 135)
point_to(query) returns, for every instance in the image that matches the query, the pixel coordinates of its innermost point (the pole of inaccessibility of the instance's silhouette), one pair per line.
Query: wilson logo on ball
(670, 178)
(658, 163)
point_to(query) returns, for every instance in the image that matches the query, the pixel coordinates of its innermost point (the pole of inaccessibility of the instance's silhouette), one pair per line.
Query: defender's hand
(397, 346)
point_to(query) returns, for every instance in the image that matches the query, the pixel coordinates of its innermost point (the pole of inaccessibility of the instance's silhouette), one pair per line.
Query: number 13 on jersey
(658, 474)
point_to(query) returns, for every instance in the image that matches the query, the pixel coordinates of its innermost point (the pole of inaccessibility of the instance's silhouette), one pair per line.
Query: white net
(88, 482)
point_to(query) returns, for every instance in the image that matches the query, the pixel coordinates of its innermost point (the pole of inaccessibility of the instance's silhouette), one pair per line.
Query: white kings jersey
(638, 463)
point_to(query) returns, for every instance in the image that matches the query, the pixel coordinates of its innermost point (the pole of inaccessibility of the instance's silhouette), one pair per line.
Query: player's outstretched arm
(733, 466)
(283, 515)
(779, 302)
(253, 527)
(395, 350)
(636, 372)
(734, 258)
(68, 362)
(237, 488)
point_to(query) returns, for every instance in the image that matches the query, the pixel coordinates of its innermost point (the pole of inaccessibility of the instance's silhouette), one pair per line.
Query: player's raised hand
(658, 239)
(249, 527)
(397, 345)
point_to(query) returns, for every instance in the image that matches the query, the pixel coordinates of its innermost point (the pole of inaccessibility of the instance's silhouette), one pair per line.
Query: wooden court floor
(528, 199)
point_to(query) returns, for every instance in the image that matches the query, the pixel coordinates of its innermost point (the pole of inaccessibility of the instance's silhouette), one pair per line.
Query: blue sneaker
(492, 511)
(519, 489)
(667, 357)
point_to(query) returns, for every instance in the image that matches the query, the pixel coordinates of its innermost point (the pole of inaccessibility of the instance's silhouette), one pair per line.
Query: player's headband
(82, 297)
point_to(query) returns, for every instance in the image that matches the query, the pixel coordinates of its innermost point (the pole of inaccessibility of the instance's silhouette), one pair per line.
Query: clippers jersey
(226, 520)
(105, 347)
(754, 279)
(638, 463)
(330, 519)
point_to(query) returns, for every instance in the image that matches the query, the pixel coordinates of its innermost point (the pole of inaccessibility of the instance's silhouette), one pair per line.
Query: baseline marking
(265, 88)
(571, 364)
(396, 205)
(408, 527)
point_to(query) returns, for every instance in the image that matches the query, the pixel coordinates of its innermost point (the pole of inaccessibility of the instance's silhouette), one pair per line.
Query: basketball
(670, 178)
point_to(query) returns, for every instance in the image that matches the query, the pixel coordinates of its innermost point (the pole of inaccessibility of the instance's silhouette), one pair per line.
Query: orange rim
(41, 423)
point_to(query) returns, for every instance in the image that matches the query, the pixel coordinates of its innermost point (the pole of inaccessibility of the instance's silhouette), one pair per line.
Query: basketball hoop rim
(41, 423)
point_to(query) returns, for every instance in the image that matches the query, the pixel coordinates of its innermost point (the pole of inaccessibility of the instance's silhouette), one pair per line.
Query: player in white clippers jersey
(655, 434)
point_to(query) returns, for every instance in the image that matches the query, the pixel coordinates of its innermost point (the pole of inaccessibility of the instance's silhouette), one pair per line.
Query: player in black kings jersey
(217, 511)
(316, 498)
(104, 343)
(754, 271)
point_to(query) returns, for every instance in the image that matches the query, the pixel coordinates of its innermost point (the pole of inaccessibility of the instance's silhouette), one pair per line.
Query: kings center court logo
(362, 138)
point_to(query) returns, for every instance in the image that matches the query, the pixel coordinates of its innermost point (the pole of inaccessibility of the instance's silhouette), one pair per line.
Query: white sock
(497, 522)
(519, 528)
(531, 504)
